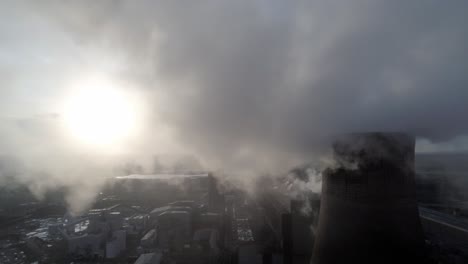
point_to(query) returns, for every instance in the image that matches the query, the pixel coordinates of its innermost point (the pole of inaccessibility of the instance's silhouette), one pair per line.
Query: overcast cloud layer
(243, 83)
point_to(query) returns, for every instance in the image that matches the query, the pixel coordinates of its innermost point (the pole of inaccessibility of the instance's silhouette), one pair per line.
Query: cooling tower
(368, 210)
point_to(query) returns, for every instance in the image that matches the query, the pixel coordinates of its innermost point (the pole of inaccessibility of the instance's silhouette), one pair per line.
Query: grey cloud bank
(259, 84)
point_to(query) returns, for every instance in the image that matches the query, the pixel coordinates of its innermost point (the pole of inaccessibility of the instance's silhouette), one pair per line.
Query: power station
(369, 212)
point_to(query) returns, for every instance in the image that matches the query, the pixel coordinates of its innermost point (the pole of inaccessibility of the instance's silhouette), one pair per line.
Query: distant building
(149, 258)
(99, 234)
(175, 206)
(249, 254)
(174, 229)
(116, 244)
(137, 223)
(149, 239)
(208, 239)
(87, 245)
(298, 238)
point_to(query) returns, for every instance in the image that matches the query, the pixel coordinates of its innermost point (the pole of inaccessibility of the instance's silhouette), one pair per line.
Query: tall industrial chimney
(368, 209)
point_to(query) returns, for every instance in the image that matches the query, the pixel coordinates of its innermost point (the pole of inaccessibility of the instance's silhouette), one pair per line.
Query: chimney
(368, 209)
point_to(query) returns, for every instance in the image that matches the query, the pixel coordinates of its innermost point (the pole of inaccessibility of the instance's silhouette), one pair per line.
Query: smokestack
(368, 210)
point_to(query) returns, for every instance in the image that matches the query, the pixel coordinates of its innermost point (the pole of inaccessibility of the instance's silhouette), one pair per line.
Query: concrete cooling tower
(368, 209)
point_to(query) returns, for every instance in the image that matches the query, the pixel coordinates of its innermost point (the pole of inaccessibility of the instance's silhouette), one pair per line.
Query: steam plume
(245, 85)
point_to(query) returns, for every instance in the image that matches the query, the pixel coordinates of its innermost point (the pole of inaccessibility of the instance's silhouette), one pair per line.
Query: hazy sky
(246, 76)
(239, 83)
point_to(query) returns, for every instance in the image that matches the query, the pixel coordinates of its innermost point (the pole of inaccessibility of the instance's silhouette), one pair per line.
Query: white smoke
(242, 85)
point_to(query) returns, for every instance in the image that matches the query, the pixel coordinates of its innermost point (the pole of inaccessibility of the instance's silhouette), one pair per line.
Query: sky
(240, 85)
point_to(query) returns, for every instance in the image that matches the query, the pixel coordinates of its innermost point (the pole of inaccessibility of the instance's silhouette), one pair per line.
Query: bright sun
(98, 113)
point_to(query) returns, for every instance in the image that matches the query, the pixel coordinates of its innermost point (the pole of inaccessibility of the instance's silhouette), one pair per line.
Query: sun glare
(99, 113)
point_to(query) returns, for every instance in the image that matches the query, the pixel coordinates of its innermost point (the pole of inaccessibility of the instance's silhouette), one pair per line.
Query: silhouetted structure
(297, 232)
(368, 211)
(215, 199)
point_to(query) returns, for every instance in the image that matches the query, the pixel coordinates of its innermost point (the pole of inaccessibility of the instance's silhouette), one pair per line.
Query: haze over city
(238, 90)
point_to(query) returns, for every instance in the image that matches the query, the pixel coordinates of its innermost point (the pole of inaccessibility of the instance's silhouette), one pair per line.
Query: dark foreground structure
(368, 211)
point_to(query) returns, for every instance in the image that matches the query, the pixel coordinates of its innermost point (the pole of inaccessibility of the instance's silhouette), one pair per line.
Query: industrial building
(149, 258)
(368, 211)
(99, 234)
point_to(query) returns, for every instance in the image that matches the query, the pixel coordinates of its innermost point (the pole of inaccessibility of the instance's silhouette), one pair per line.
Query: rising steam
(241, 85)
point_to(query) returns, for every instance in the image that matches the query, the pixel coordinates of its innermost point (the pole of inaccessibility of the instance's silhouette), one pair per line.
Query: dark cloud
(272, 77)
(284, 77)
